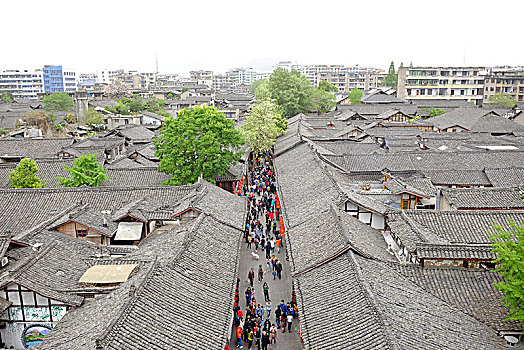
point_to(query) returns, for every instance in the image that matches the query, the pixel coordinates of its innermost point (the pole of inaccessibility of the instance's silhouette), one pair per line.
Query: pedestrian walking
(268, 262)
(265, 340)
(289, 321)
(260, 273)
(239, 337)
(278, 313)
(278, 243)
(251, 276)
(265, 288)
(268, 309)
(248, 296)
(278, 268)
(273, 334)
(250, 338)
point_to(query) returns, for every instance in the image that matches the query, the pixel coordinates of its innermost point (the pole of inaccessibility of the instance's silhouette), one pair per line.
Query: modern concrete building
(203, 77)
(22, 83)
(59, 79)
(447, 83)
(509, 80)
(242, 75)
(344, 78)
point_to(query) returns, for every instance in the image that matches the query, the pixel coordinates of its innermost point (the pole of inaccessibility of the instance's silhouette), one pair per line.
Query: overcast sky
(218, 35)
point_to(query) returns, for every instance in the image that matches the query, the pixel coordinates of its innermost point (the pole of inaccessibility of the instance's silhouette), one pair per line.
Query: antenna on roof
(156, 63)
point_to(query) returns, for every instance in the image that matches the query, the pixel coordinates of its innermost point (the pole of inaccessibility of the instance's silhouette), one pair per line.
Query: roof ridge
(373, 303)
(105, 336)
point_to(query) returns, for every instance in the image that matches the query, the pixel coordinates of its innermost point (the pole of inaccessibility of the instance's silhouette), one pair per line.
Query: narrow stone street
(279, 289)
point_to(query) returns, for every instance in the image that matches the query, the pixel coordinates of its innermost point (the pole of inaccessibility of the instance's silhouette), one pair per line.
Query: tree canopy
(508, 244)
(85, 171)
(200, 141)
(263, 125)
(355, 96)
(291, 91)
(58, 102)
(127, 106)
(322, 101)
(502, 100)
(327, 86)
(93, 117)
(6, 96)
(392, 77)
(24, 176)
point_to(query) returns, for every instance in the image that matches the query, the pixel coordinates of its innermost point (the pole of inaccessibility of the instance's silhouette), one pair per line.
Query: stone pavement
(278, 290)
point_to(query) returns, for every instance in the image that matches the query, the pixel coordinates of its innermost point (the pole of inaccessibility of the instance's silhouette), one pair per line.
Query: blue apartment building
(57, 79)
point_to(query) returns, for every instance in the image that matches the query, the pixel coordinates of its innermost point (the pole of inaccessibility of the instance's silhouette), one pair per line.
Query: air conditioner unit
(5, 261)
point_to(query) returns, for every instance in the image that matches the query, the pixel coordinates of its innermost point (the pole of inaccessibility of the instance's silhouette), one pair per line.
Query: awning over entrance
(129, 231)
(102, 274)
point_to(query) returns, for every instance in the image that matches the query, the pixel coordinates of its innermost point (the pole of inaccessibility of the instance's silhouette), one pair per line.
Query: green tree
(85, 171)
(6, 96)
(93, 117)
(322, 101)
(502, 100)
(392, 77)
(263, 125)
(291, 91)
(24, 176)
(327, 86)
(170, 96)
(355, 96)
(433, 112)
(508, 244)
(262, 92)
(58, 102)
(200, 141)
(254, 85)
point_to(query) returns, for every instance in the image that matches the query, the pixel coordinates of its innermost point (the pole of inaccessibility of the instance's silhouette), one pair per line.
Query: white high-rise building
(22, 83)
(242, 75)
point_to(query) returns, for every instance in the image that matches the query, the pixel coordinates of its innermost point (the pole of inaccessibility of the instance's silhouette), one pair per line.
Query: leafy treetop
(502, 100)
(58, 102)
(24, 176)
(85, 171)
(6, 96)
(127, 106)
(200, 141)
(392, 77)
(263, 125)
(291, 91)
(508, 244)
(327, 86)
(322, 101)
(355, 96)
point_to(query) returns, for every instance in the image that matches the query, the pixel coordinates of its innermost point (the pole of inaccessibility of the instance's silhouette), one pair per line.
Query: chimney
(105, 222)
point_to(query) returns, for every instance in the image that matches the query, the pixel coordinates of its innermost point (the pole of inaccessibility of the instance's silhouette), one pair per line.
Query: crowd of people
(265, 239)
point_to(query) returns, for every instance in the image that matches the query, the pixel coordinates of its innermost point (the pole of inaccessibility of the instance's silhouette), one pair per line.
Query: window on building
(81, 233)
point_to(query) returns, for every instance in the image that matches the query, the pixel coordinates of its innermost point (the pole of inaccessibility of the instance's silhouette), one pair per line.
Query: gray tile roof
(504, 177)
(466, 226)
(484, 198)
(455, 251)
(475, 120)
(458, 177)
(469, 290)
(305, 184)
(203, 269)
(134, 133)
(371, 306)
(45, 203)
(33, 148)
(415, 185)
